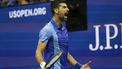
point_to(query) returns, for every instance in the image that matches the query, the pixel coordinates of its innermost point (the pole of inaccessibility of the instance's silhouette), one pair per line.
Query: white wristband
(42, 64)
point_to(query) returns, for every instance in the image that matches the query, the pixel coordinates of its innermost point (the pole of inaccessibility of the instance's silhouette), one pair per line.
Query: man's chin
(65, 18)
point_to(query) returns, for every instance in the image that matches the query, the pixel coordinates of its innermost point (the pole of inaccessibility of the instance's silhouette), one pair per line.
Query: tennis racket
(53, 59)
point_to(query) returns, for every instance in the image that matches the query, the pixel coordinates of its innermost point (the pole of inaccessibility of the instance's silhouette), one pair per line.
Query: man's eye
(64, 7)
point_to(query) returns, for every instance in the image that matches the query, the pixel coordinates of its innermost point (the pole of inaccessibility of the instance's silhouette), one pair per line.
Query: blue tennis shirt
(57, 40)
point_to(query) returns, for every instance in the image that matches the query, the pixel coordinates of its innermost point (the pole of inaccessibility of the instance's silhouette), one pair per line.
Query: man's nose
(67, 9)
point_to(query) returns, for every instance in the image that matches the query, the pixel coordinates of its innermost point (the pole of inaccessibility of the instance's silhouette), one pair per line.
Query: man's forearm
(39, 57)
(71, 60)
(38, 54)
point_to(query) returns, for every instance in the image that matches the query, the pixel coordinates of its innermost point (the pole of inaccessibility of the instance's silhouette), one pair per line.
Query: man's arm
(40, 48)
(71, 60)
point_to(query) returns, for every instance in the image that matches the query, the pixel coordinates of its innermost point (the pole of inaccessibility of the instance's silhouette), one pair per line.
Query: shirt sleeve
(44, 35)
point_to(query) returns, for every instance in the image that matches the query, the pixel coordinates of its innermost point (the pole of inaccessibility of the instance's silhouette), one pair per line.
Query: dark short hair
(55, 4)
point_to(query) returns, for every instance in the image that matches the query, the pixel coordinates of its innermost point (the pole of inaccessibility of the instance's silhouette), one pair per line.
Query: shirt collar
(56, 26)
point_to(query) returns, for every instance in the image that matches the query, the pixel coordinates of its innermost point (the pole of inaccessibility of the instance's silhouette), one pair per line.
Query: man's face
(63, 11)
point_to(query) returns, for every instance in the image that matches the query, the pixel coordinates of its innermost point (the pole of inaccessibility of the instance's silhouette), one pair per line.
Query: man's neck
(57, 21)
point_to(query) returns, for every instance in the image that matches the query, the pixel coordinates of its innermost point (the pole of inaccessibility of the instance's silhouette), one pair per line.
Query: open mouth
(65, 15)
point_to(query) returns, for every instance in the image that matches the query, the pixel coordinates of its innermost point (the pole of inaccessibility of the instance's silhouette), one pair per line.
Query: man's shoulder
(47, 27)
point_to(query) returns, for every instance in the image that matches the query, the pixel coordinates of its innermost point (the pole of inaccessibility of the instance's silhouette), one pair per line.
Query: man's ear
(56, 11)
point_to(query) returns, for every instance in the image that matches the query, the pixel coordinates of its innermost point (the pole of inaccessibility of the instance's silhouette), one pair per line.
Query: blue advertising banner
(23, 14)
(101, 43)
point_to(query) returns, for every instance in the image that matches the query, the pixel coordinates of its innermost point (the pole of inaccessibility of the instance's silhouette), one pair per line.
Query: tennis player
(54, 38)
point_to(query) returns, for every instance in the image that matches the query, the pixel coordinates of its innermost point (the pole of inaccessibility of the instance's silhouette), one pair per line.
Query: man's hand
(86, 66)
